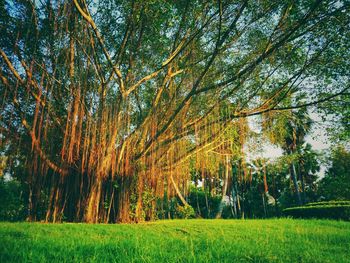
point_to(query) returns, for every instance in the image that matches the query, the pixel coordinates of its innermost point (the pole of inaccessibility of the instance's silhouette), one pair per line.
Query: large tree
(105, 99)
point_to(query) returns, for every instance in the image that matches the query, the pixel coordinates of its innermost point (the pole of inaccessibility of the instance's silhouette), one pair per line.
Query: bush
(12, 206)
(331, 210)
(185, 212)
(335, 202)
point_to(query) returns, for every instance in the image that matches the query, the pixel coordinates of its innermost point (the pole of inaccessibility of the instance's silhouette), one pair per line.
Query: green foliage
(334, 202)
(148, 199)
(288, 128)
(205, 205)
(337, 114)
(268, 241)
(336, 183)
(12, 205)
(148, 212)
(185, 211)
(331, 210)
(186, 60)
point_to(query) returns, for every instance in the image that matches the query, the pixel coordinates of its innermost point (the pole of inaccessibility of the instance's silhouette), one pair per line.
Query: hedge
(334, 202)
(319, 211)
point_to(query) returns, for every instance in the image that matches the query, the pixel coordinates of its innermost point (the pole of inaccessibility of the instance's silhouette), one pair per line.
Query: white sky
(317, 138)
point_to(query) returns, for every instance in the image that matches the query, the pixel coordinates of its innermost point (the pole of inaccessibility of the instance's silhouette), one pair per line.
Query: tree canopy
(103, 101)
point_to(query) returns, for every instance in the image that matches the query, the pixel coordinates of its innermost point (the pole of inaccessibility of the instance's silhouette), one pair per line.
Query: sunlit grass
(277, 240)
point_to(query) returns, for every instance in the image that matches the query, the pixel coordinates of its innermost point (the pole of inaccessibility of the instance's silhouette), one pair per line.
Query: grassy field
(278, 240)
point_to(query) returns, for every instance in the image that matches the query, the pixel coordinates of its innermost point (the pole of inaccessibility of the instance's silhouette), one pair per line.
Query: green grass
(277, 240)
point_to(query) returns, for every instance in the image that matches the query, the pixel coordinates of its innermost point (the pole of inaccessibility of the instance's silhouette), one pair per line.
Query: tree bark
(178, 191)
(224, 189)
(293, 174)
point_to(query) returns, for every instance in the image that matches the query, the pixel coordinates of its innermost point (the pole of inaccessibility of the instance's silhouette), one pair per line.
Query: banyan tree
(102, 101)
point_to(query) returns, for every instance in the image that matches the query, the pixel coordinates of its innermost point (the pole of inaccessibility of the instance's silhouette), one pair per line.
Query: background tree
(288, 130)
(336, 184)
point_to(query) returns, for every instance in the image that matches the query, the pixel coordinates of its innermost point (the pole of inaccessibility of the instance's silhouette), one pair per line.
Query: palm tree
(288, 130)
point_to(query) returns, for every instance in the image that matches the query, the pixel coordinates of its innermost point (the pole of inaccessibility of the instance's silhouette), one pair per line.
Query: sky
(318, 139)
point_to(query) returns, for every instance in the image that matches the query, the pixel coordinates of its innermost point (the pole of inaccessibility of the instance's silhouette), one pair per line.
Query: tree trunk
(295, 183)
(301, 174)
(92, 211)
(224, 189)
(184, 202)
(123, 214)
(264, 204)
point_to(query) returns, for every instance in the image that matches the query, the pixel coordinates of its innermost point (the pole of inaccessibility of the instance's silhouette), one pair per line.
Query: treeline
(243, 199)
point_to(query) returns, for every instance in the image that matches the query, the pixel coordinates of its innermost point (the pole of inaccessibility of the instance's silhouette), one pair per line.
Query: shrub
(185, 211)
(334, 202)
(12, 206)
(331, 210)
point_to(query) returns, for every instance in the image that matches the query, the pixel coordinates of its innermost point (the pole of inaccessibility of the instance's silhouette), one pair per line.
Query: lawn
(277, 240)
